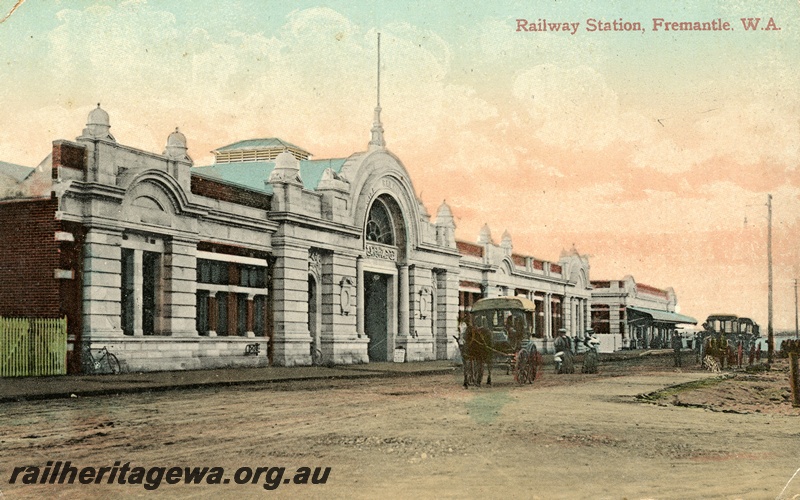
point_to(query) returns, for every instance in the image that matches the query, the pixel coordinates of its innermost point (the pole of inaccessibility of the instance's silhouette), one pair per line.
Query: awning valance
(657, 316)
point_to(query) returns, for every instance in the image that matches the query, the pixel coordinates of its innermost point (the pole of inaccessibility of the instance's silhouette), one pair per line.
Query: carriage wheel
(522, 367)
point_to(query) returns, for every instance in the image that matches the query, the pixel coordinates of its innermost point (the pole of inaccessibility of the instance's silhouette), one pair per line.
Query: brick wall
(519, 260)
(221, 191)
(469, 249)
(651, 290)
(68, 155)
(29, 256)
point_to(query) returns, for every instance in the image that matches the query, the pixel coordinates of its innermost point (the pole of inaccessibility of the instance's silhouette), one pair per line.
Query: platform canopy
(657, 316)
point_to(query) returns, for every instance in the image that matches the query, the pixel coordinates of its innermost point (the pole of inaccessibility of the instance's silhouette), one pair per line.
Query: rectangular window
(201, 321)
(224, 273)
(222, 315)
(128, 310)
(241, 314)
(151, 281)
(259, 315)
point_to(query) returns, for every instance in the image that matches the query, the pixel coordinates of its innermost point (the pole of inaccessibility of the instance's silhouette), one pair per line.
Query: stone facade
(266, 257)
(184, 268)
(561, 291)
(626, 309)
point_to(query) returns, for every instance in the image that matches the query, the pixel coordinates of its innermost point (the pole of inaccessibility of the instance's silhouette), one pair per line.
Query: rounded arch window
(379, 224)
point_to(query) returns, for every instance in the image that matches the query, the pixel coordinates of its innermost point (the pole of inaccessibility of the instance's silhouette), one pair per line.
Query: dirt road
(568, 436)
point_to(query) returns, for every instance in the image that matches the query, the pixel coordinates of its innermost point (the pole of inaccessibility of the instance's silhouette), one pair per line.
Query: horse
(477, 351)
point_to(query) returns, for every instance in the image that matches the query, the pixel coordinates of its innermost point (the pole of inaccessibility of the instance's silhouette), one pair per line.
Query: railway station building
(561, 290)
(630, 315)
(265, 257)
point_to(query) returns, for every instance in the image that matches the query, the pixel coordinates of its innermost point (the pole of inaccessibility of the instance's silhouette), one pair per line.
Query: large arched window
(379, 224)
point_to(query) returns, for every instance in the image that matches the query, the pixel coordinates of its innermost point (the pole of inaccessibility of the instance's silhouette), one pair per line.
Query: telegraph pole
(796, 329)
(770, 333)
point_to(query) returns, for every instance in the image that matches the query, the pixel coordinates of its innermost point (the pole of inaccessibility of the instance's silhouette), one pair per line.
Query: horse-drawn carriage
(500, 331)
(728, 339)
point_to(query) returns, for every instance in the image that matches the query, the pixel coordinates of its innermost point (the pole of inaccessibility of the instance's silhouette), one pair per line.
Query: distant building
(561, 291)
(638, 315)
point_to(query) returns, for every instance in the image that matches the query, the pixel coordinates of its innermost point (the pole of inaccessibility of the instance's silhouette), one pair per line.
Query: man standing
(677, 342)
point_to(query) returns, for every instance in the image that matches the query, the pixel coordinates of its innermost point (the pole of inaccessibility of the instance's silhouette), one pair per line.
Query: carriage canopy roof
(518, 303)
(723, 317)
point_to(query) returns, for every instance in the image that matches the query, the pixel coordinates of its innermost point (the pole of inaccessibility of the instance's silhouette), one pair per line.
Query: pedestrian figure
(590, 358)
(562, 344)
(676, 348)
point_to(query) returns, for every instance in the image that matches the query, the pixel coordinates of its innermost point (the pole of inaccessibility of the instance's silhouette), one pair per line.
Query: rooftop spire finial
(377, 141)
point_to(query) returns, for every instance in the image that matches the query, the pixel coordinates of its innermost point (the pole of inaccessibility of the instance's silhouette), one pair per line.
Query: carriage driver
(514, 332)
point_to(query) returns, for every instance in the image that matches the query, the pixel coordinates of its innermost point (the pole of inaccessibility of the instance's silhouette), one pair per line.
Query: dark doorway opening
(376, 315)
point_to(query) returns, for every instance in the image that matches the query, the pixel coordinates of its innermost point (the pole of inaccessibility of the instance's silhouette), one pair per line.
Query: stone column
(403, 292)
(586, 309)
(102, 284)
(180, 287)
(566, 315)
(446, 313)
(342, 335)
(420, 280)
(290, 305)
(360, 296)
(548, 315)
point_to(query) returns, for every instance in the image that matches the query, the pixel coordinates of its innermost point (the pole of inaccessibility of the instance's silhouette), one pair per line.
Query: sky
(652, 152)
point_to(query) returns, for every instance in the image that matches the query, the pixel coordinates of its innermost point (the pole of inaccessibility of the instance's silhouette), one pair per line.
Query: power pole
(796, 329)
(770, 333)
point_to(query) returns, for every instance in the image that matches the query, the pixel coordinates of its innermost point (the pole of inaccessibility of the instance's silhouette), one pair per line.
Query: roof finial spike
(379, 70)
(377, 141)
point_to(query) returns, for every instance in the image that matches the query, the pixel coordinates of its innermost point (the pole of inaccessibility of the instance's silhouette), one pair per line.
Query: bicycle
(105, 362)
(316, 356)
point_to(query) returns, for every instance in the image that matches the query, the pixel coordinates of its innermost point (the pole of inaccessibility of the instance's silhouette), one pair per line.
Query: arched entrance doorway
(384, 248)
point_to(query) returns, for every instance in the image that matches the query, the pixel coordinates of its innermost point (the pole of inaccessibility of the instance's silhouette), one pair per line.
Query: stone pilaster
(566, 315)
(360, 296)
(102, 284)
(342, 310)
(290, 303)
(548, 315)
(180, 288)
(446, 314)
(420, 287)
(403, 296)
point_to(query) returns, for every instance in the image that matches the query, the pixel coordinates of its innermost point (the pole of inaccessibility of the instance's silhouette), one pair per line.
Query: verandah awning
(657, 316)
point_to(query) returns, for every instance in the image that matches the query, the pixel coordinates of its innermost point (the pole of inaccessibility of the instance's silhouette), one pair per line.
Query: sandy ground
(566, 436)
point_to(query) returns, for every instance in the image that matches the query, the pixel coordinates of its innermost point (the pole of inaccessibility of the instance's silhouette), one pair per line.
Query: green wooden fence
(33, 347)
